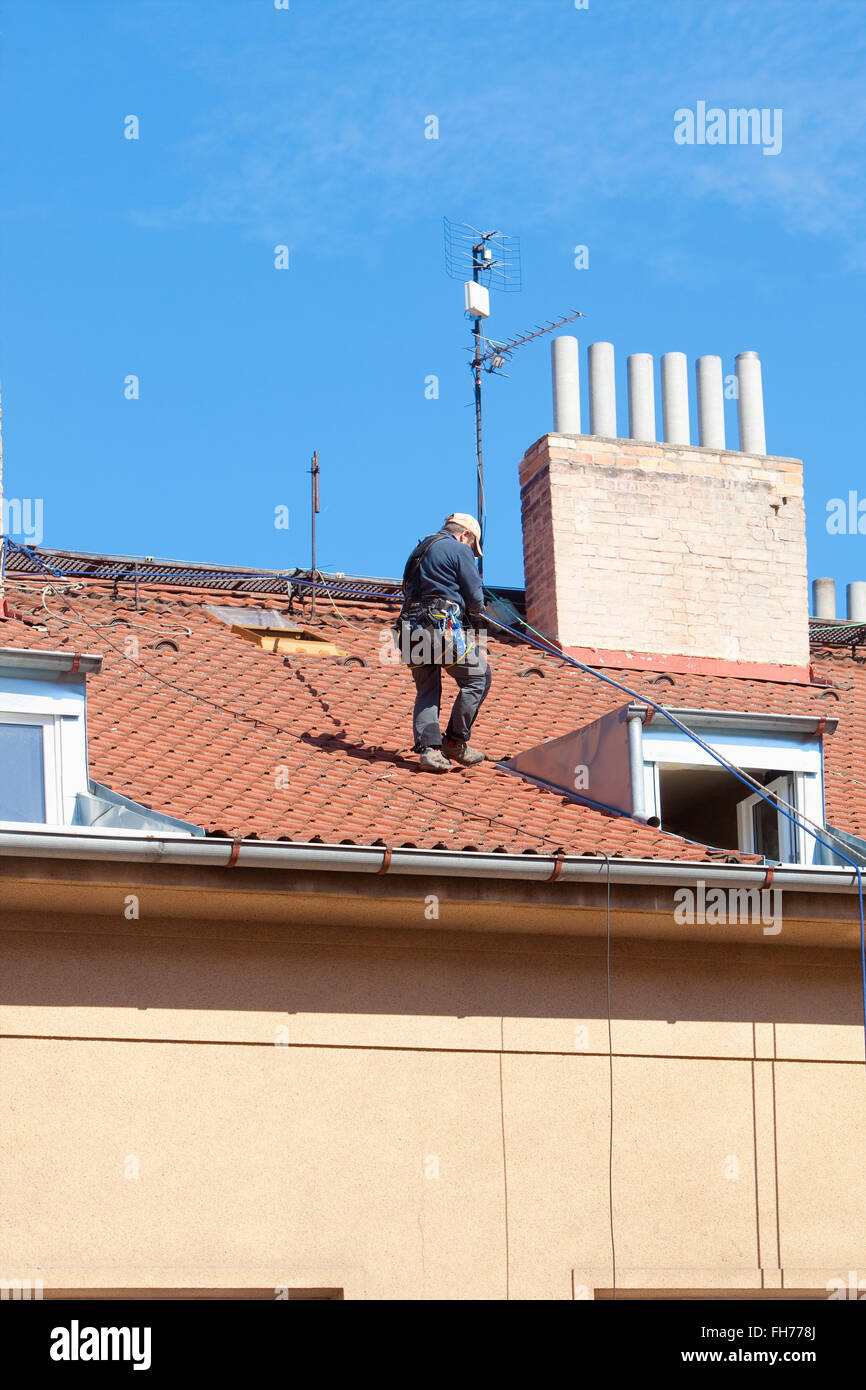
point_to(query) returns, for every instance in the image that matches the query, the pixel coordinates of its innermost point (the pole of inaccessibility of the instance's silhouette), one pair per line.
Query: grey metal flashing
(106, 809)
(742, 721)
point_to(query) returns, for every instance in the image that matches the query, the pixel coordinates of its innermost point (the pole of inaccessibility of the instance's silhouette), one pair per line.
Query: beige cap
(469, 524)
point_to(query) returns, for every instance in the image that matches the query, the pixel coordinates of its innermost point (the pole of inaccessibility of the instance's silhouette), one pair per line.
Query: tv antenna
(314, 508)
(493, 261)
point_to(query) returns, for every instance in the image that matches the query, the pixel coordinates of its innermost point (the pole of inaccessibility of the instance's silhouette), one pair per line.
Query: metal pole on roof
(2, 530)
(490, 258)
(478, 251)
(314, 504)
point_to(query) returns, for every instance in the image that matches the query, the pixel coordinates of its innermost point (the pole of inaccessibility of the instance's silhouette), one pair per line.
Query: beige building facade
(300, 1083)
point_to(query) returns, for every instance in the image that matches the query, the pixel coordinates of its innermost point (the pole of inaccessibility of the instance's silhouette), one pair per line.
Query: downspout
(636, 763)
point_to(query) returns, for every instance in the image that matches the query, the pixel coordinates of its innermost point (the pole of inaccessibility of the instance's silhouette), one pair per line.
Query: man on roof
(443, 602)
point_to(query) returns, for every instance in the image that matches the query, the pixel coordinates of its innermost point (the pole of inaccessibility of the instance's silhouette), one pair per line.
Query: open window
(692, 794)
(765, 829)
(706, 804)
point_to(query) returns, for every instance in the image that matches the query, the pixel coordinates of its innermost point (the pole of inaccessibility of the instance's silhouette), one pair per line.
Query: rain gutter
(131, 847)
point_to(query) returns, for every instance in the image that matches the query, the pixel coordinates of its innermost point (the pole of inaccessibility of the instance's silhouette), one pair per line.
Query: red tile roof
(247, 742)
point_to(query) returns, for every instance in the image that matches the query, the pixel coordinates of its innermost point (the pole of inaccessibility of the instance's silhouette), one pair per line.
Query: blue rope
(795, 820)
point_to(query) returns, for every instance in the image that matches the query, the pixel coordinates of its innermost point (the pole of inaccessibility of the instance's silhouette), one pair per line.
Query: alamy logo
(853, 1289)
(846, 516)
(721, 906)
(428, 646)
(736, 126)
(22, 516)
(21, 1289)
(76, 1343)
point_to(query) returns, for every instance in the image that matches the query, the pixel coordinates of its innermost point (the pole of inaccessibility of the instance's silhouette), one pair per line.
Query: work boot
(462, 753)
(432, 760)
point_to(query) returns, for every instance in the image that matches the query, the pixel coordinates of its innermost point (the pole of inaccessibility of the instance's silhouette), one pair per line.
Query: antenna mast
(314, 507)
(493, 259)
(2, 528)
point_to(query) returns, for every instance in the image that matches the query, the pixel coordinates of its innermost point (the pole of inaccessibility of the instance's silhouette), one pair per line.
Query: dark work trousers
(473, 676)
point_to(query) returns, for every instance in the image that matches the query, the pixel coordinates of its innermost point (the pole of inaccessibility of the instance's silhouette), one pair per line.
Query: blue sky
(306, 127)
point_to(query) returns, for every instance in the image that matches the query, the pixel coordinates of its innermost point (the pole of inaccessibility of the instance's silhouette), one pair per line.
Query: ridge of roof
(145, 569)
(151, 570)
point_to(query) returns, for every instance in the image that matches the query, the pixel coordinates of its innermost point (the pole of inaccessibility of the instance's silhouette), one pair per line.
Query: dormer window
(635, 761)
(43, 740)
(43, 751)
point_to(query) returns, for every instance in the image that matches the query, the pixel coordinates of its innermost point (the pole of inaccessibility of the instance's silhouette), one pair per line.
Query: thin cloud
(286, 151)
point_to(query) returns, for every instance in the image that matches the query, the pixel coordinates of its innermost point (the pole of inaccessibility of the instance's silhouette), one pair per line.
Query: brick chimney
(691, 555)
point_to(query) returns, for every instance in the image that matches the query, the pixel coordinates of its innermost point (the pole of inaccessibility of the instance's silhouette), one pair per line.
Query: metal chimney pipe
(824, 598)
(857, 601)
(602, 391)
(641, 396)
(565, 362)
(750, 404)
(675, 398)
(711, 402)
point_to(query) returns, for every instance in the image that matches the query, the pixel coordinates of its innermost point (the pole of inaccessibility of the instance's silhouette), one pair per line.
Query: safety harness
(430, 629)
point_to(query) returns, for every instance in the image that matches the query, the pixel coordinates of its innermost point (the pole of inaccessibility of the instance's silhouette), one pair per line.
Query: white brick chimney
(696, 555)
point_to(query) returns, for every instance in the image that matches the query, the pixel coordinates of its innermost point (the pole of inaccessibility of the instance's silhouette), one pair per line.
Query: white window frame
(802, 757)
(52, 763)
(792, 838)
(64, 747)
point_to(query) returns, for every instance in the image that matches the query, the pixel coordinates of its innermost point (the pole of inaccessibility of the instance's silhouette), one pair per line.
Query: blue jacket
(447, 569)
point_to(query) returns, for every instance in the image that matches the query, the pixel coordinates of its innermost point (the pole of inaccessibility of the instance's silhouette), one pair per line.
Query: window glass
(773, 832)
(766, 822)
(22, 773)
